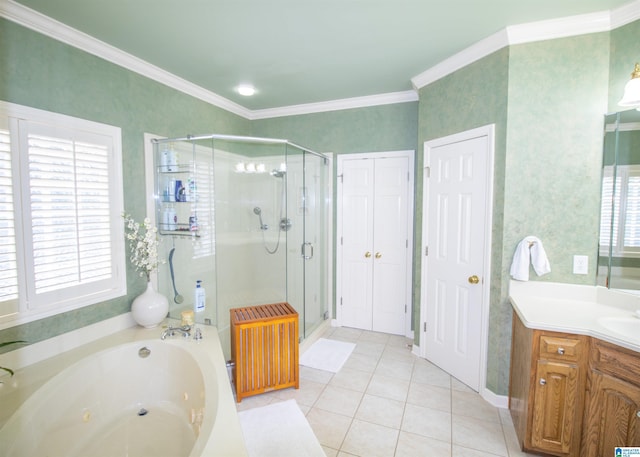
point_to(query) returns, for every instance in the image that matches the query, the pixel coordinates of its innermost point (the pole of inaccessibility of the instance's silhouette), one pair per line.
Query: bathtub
(138, 396)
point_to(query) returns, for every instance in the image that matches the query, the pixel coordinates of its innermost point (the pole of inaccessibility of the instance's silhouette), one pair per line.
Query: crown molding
(337, 105)
(45, 25)
(460, 60)
(625, 14)
(531, 32)
(518, 34)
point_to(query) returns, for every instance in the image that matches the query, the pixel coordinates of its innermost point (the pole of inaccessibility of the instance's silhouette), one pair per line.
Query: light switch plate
(580, 264)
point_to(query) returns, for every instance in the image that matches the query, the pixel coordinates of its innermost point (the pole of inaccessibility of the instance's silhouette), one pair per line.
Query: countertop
(574, 309)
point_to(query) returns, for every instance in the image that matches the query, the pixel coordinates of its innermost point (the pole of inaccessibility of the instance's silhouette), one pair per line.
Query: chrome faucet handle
(197, 335)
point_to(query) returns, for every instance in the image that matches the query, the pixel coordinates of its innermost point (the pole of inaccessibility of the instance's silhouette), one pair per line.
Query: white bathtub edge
(42, 350)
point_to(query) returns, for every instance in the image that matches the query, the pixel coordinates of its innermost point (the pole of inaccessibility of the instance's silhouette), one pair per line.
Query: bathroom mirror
(619, 244)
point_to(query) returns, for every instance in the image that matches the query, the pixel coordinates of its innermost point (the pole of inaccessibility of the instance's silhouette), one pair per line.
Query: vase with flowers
(149, 308)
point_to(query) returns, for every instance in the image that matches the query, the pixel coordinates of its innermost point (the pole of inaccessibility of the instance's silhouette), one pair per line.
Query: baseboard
(499, 401)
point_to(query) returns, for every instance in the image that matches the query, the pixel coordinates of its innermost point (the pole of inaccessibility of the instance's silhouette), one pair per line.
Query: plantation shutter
(61, 201)
(8, 256)
(607, 211)
(632, 213)
(69, 197)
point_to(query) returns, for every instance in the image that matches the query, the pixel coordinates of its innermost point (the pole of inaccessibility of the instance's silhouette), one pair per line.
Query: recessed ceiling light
(246, 89)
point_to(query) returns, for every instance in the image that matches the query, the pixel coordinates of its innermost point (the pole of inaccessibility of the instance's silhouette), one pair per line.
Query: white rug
(279, 430)
(328, 355)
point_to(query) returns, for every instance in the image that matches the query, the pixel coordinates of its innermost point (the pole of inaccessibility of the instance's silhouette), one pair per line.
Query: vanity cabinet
(573, 395)
(547, 386)
(612, 415)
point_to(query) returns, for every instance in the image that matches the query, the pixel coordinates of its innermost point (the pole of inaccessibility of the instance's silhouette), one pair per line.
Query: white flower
(143, 246)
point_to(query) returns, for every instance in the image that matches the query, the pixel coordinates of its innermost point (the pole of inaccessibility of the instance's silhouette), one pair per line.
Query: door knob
(367, 254)
(474, 279)
(378, 255)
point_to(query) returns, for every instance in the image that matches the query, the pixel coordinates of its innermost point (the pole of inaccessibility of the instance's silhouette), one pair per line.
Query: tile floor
(387, 402)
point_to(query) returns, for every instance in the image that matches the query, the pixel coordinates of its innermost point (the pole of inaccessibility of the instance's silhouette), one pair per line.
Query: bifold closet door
(374, 243)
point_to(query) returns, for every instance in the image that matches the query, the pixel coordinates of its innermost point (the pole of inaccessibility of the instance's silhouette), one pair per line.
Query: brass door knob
(474, 279)
(367, 254)
(378, 255)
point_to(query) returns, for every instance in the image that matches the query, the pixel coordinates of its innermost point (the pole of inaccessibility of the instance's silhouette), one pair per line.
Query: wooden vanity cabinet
(547, 388)
(612, 414)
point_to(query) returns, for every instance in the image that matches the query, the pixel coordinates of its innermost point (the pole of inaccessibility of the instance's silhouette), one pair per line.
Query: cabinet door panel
(612, 418)
(555, 406)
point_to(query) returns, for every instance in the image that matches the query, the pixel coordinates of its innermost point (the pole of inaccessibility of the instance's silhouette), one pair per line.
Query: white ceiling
(298, 52)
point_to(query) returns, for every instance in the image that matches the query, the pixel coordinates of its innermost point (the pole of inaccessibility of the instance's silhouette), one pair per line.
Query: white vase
(149, 308)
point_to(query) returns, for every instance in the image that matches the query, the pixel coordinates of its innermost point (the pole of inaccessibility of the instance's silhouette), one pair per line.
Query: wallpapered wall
(546, 99)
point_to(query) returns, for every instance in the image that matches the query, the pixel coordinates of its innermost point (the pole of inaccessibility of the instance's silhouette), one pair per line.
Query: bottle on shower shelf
(199, 297)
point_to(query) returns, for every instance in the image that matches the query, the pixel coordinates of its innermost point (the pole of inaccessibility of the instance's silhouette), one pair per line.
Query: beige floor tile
(426, 373)
(329, 428)
(307, 394)
(459, 385)
(339, 400)
(313, 374)
(370, 440)
(381, 411)
(412, 445)
(473, 405)
(459, 451)
(329, 452)
(427, 422)
(394, 369)
(348, 378)
(346, 334)
(400, 354)
(478, 434)
(429, 396)
(383, 386)
(374, 337)
(362, 362)
(369, 348)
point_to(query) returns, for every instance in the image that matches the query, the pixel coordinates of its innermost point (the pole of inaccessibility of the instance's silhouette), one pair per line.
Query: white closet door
(357, 243)
(374, 220)
(390, 244)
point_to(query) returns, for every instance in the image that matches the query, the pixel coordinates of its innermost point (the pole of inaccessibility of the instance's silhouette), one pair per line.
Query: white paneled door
(374, 247)
(456, 226)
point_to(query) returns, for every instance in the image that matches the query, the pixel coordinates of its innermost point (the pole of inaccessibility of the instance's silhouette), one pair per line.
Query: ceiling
(301, 51)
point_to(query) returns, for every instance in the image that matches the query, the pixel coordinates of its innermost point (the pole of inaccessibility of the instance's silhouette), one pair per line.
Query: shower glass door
(307, 206)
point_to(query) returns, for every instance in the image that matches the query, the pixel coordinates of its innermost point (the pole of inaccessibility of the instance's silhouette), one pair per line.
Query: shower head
(258, 212)
(278, 173)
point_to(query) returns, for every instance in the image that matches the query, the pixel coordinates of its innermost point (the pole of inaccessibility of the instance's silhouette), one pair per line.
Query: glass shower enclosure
(248, 218)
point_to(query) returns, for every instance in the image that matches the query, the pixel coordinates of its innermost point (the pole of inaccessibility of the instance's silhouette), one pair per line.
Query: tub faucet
(185, 331)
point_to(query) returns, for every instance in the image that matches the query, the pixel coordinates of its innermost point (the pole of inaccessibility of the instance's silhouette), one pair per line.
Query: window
(620, 211)
(62, 242)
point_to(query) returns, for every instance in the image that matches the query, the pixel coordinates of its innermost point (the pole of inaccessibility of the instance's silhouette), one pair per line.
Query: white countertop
(575, 309)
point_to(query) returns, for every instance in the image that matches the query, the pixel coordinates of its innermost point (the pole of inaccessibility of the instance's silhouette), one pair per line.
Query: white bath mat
(279, 430)
(328, 355)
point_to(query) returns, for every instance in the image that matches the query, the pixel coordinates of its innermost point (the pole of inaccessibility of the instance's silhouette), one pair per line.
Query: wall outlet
(580, 264)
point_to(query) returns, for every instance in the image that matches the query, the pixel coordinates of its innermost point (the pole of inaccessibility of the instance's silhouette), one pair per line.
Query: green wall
(43, 73)
(546, 100)
(469, 98)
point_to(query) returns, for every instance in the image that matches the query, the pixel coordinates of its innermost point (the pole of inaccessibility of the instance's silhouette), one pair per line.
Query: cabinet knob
(543, 381)
(561, 351)
(378, 255)
(367, 254)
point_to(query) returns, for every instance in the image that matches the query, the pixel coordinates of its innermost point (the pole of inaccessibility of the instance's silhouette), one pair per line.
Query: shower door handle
(303, 250)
